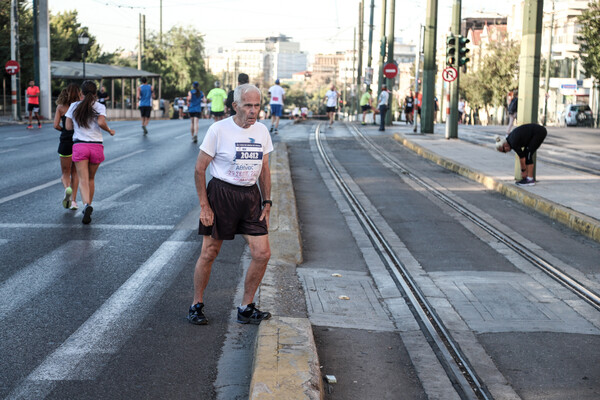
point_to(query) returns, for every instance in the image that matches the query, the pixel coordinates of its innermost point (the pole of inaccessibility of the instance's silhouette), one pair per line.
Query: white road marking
(56, 181)
(37, 276)
(88, 349)
(8, 150)
(96, 226)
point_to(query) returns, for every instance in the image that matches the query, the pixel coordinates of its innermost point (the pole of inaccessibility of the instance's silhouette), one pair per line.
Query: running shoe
(196, 316)
(145, 130)
(87, 214)
(195, 138)
(39, 126)
(271, 130)
(251, 315)
(67, 199)
(29, 126)
(363, 123)
(526, 182)
(276, 131)
(74, 205)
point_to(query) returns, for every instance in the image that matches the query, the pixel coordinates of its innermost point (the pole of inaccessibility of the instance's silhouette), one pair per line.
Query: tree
(179, 60)
(498, 75)
(25, 38)
(589, 38)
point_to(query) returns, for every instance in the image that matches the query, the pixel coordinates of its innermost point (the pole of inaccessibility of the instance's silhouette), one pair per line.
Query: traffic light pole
(390, 58)
(429, 70)
(452, 120)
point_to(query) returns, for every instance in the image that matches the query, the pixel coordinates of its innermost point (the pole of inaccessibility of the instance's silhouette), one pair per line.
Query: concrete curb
(579, 222)
(286, 363)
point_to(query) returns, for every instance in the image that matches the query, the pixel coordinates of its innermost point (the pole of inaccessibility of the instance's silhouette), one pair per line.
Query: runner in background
(194, 100)
(277, 98)
(366, 104)
(216, 98)
(33, 104)
(144, 96)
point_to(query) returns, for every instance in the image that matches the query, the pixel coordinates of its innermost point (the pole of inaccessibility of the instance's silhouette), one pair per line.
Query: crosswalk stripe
(25, 284)
(87, 350)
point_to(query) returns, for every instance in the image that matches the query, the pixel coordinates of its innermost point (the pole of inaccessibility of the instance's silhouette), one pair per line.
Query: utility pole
(360, 53)
(14, 55)
(160, 36)
(429, 69)
(44, 73)
(382, 45)
(370, 58)
(36, 44)
(390, 59)
(529, 67)
(549, 61)
(452, 119)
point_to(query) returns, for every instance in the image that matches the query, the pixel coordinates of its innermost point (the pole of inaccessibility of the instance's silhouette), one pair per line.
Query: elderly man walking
(237, 151)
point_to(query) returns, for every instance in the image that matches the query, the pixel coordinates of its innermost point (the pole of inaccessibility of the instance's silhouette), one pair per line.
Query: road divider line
(56, 181)
(83, 355)
(37, 276)
(80, 226)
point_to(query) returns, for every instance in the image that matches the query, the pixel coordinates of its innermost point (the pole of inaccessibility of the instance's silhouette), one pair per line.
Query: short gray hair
(500, 141)
(241, 90)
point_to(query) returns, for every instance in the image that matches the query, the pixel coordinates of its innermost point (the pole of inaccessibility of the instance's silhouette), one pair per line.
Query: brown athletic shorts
(237, 210)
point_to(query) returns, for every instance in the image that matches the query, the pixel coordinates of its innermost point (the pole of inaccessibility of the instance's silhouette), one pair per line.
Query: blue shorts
(276, 110)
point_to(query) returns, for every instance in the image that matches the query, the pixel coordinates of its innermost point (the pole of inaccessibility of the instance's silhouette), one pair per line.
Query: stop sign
(390, 70)
(12, 67)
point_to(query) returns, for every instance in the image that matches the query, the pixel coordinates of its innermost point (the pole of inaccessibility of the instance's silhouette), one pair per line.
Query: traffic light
(451, 50)
(462, 51)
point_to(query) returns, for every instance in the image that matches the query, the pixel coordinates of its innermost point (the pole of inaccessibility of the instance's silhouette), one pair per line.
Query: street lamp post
(83, 42)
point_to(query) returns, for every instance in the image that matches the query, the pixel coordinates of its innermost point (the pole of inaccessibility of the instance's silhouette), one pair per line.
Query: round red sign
(390, 70)
(12, 67)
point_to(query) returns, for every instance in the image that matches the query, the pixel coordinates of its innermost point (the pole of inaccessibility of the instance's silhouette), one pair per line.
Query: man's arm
(264, 180)
(206, 213)
(137, 92)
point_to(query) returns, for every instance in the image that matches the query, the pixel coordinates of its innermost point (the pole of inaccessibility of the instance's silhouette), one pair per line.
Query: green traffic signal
(463, 50)
(451, 42)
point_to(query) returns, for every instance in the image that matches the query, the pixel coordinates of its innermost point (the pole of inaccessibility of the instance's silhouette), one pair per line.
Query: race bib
(248, 153)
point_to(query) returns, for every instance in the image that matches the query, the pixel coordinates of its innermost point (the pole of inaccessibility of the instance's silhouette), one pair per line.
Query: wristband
(269, 202)
(524, 169)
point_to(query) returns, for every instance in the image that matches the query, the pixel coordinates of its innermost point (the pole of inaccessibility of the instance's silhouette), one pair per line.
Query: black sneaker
(196, 316)
(526, 182)
(87, 214)
(252, 315)
(145, 130)
(271, 130)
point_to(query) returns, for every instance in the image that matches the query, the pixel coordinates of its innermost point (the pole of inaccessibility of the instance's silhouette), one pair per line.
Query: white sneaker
(74, 205)
(67, 199)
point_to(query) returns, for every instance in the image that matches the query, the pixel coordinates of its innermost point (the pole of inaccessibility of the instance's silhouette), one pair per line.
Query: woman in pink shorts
(87, 117)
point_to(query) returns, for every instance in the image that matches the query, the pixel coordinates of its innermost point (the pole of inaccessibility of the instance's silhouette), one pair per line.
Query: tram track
(454, 361)
(458, 369)
(574, 285)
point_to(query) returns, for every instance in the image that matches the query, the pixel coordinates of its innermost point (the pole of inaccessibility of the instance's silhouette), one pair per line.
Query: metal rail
(461, 374)
(563, 278)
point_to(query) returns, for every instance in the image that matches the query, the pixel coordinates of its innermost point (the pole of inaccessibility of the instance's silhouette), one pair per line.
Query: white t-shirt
(331, 98)
(277, 93)
(91, 134)
(384, 97)
(237, 152)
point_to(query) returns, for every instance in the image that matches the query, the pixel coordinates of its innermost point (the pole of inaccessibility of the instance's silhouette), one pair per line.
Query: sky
(321, 26)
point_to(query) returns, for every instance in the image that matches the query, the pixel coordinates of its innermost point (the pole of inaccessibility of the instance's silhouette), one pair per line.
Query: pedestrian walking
(409, 104)
(461, 110)
(524, 140)
(382, 105)
(216, 98)
(417, 111)
(242, 79)
(331, 102)
(33, 103)
(366, 104)
(180, 107)
(87, 118)
(237, 152)
(103, 96)
(194, 100)
(69, 178)
(277, 97)
(145, 94)
(161, 106)
(513, 106)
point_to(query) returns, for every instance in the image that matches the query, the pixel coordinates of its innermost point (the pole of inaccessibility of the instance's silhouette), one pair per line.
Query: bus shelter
(122, 102)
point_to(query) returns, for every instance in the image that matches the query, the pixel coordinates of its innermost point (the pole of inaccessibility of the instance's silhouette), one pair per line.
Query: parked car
(578, 115)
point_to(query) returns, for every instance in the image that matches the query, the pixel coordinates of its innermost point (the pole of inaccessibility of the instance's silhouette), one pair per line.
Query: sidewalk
(567, 196)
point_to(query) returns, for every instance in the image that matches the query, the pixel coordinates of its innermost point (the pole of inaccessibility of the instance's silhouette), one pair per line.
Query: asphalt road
(98, 311)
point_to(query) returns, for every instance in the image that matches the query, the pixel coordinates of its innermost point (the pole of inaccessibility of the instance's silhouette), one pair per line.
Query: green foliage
(25, 38)
(179, 60)
(498, 74)
(589, 38)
